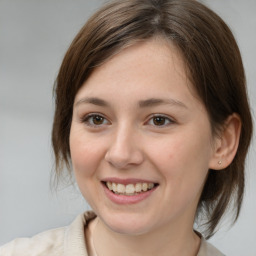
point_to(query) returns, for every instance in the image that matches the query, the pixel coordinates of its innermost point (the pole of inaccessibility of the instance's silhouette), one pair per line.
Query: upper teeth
(129, 189)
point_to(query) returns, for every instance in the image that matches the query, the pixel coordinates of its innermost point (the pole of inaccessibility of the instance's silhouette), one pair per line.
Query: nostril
(124, 159)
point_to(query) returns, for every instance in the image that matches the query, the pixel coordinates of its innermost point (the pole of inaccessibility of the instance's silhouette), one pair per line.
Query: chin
(128, 229)
(126, 224)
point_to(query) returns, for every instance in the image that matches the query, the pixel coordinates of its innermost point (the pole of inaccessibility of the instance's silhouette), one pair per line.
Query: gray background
(34, 36)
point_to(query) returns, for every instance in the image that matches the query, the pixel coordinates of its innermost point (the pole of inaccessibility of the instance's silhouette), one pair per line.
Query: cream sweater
(69, 241)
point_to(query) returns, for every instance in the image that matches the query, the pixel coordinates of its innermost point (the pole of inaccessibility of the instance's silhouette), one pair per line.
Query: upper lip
(127, 181)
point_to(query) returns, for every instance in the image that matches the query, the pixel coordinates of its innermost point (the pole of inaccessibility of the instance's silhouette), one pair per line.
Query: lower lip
(123, 199)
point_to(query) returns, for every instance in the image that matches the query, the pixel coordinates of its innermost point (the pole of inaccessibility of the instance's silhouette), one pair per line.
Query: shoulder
(207, 249)
(62, 241)
(40, 244)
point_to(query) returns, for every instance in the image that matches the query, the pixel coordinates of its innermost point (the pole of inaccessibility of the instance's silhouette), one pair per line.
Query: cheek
(85, 154)
(183, 163)
(81, 160)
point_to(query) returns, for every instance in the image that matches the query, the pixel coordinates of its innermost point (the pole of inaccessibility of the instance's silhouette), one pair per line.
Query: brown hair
(215, 68)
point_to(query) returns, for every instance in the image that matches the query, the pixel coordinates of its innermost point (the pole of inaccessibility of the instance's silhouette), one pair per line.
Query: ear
(225, 145)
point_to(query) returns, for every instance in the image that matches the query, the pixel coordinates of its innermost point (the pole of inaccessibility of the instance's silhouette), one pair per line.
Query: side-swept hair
(214, 66)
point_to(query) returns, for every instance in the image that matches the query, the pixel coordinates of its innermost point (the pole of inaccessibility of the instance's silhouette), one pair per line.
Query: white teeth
(129, 189)
(150, 185)
(109, 185)
(138, 187)
(114, 187)
(121, 188)
(144, 186)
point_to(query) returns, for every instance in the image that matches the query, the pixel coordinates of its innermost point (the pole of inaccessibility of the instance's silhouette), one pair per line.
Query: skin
(127, 142)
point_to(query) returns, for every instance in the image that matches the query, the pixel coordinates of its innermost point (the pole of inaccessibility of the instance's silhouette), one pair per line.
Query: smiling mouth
(129, 189)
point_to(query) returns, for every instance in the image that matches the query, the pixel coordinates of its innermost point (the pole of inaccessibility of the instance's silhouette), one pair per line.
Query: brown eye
(97, 120)
(159, 120)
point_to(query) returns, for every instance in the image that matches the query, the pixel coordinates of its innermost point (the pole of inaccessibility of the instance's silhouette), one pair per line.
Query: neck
(164, 241)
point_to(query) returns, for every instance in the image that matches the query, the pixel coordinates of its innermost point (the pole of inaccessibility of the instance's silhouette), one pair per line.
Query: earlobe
(227, 144)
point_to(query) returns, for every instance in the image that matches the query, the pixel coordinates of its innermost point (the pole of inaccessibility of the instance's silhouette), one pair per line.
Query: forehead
(141, 69)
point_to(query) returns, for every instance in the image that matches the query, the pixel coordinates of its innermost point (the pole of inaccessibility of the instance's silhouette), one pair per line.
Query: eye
(95, 120)
(160, 120)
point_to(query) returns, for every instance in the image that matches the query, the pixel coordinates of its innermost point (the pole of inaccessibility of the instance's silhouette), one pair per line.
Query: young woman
(152, 118)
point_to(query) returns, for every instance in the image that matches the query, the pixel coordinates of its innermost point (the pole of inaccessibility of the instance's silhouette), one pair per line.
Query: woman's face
(138, 129)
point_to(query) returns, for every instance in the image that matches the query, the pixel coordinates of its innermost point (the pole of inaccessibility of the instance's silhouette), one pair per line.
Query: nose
(124, 150)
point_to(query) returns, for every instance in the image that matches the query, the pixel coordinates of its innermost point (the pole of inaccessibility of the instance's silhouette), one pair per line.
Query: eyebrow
(152, 102)
(94, 101)
(155, 102)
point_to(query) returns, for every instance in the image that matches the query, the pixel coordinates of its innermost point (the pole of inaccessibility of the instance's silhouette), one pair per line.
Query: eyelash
(86, 119)
(163, 117)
